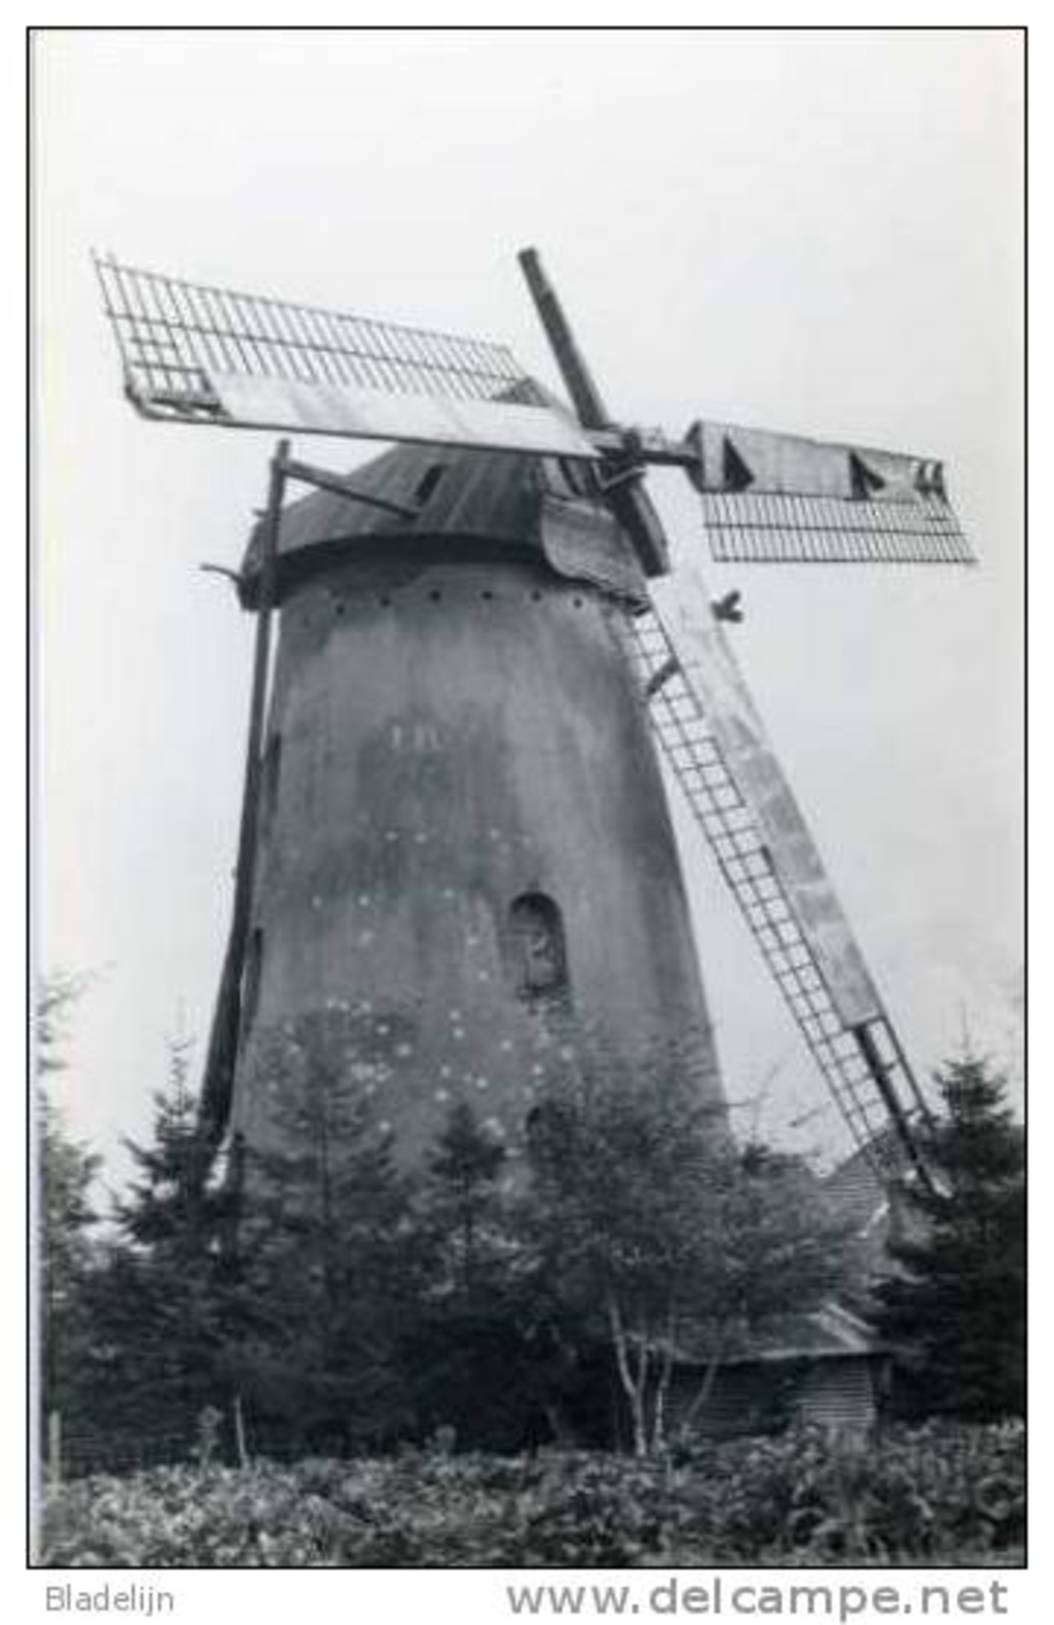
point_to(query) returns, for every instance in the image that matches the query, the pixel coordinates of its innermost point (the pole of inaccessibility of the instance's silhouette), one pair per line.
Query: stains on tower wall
(466, 852)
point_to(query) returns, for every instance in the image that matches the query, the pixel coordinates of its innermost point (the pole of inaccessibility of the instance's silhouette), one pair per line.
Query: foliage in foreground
(943, 1493)
(345, 1303)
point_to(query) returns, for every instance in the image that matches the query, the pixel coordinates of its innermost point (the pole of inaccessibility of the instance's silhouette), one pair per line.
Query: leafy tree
(955, 1300)
(782, 1252)
(661, 1235)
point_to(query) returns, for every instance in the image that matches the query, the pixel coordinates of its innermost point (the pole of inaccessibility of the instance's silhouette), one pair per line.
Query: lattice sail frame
(783, 499)
(781, 529)
(194, 353)
(174, 335)
(834, 1006)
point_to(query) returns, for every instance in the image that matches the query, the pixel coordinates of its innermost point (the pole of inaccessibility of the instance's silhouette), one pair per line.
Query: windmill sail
(782, 499)
(198, 354)
(714, 741)
(713, 738)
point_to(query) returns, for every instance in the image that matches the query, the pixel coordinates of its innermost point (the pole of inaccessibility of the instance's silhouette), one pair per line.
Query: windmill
(526, 503)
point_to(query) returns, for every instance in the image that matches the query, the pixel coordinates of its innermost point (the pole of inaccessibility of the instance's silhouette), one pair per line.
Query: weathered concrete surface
(453, 735)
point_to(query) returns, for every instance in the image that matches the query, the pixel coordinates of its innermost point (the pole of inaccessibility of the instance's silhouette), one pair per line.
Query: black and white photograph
(527, 814)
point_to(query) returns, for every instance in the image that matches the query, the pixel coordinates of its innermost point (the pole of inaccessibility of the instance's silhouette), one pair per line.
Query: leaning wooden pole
(222, 1053)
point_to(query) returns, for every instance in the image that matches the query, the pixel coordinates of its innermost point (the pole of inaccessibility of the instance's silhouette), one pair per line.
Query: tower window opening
(570, 479)
(580, 479)
(539, 947)
(428, 482)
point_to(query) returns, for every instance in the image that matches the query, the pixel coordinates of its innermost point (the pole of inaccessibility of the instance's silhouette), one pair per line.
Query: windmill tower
(463, 843)
(452, 819)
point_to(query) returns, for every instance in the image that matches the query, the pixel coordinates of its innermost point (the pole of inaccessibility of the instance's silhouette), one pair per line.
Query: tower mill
(464, 846)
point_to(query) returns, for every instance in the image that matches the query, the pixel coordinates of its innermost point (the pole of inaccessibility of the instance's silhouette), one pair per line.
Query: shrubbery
(939, 1494)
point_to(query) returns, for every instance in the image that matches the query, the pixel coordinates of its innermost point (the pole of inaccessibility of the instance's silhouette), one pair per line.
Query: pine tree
(164, 1301)
(166, 1211)
(328, 1251)
(463, 1204)
(67, 1171)
(66, 1254)
(477, 1363)
(954, 1303)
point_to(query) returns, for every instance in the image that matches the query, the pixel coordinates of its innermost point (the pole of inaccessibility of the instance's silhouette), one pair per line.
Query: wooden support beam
(222, 1055)
(307, 474)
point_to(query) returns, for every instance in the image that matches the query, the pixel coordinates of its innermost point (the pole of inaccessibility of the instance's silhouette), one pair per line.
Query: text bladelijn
(108, 1599)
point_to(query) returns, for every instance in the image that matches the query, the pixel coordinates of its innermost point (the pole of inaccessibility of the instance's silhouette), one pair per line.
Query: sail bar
(783, 894)
(198, 354)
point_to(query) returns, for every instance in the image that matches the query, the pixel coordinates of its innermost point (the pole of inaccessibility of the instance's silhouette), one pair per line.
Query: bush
(928, 1495)
(944, 1493)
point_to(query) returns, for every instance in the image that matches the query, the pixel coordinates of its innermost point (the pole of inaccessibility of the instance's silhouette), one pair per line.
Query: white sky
(816, 232)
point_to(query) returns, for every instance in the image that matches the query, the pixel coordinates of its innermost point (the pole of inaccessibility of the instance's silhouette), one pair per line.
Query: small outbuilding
(826, 1367)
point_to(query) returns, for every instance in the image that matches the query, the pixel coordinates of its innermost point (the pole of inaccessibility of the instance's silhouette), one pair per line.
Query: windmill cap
(500, 505)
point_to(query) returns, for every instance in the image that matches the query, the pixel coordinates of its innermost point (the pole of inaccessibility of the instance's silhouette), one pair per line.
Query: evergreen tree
(463, 1205)
(56, 995)
(166, 1212)
(328, 1251)
(66, 1256)
(164, 1303)
(954, 1303)
(67, 1171)
(476, 1360)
